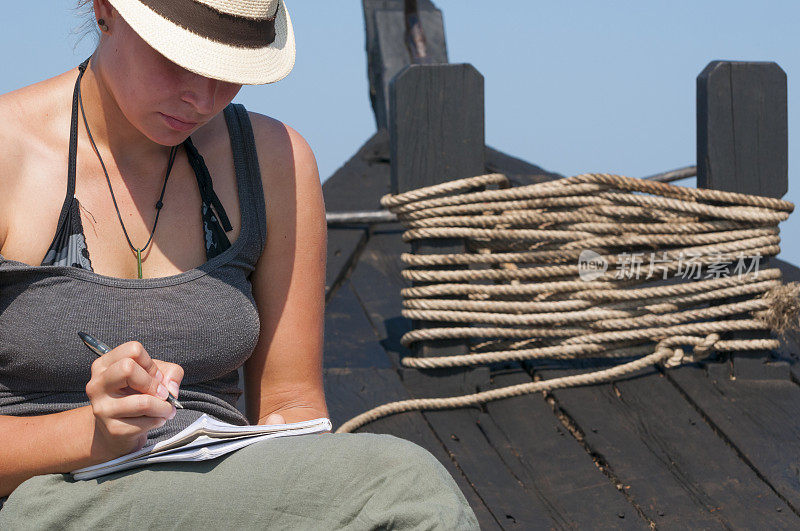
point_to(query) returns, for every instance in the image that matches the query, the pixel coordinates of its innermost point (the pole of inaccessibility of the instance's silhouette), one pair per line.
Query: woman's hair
(84, 9)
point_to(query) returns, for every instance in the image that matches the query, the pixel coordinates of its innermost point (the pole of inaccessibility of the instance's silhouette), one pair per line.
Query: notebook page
(201, 453)
(198, 434)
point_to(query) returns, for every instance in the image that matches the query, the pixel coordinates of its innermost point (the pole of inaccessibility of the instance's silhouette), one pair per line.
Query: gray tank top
(204, 319)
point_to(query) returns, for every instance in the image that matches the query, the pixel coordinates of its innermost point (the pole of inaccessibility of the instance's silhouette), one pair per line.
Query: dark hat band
(215, 25)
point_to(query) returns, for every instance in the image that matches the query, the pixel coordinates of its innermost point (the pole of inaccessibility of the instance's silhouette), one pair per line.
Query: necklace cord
(159, 204)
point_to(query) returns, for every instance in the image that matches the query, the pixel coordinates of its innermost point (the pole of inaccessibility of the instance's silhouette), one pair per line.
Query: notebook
(206, 438)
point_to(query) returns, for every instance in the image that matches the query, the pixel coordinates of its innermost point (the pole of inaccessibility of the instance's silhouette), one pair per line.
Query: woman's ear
(104, 14)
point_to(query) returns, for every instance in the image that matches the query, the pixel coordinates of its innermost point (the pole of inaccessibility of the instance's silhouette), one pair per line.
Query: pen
(100, 348)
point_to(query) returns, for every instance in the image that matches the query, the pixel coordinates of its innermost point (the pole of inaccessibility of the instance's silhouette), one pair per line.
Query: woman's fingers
(133, 352)
(131, 349)
(172, 375)
(127, 373)
(138, 405)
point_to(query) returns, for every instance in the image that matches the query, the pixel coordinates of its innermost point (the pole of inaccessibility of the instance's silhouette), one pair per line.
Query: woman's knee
(395, 452)
(412, 485)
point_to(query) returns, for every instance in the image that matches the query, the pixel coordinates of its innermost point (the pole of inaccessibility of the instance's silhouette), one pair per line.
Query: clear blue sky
(571, 86)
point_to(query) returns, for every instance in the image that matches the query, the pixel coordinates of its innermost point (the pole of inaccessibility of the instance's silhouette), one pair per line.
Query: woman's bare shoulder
(30, 107)
(34, 116)
(292, 189)
(13, 129)
(32, 122)
(11, 152)
(291, 159)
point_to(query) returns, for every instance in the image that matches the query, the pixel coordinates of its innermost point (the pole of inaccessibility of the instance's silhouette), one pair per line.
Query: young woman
(141, 136)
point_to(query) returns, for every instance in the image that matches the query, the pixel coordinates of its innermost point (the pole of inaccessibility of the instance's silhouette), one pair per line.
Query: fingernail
(159, 376)
(162, 392)
(173, 388)
(171, 415)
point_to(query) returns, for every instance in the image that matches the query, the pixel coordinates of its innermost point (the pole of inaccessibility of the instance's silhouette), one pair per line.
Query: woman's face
(164, 101)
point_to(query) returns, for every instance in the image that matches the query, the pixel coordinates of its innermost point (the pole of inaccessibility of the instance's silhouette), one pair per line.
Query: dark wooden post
(742, 141)
(387, 52)
(742, 146)
(437, 135)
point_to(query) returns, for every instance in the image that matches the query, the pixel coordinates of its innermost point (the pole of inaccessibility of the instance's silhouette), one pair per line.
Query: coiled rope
(519, 292)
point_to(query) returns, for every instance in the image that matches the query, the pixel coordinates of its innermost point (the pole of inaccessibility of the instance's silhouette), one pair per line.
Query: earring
(102, 24)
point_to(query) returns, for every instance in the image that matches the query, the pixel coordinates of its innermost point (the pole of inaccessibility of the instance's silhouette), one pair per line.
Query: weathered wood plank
(670, 462)
(499, 486)
(757, 418)
(367, 172)
(377, 282)
(353, 391)
(778, 364)
(556, 469)
(790, 272)
(362, 180)
(764, 365)
(350, 340)
(343, 247)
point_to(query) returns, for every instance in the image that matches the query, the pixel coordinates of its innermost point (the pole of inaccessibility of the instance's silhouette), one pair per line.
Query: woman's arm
(284, 374)
(45, 444)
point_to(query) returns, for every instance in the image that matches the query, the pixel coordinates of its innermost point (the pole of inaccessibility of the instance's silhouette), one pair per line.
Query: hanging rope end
(783, 308)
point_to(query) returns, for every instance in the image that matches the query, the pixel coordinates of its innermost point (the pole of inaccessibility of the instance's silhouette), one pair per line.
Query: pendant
(139, 261)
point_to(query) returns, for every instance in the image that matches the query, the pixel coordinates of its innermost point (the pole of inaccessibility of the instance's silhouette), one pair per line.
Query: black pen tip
(83, 335)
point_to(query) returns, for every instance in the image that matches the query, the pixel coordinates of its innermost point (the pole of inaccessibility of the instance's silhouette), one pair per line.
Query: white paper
(224, 438)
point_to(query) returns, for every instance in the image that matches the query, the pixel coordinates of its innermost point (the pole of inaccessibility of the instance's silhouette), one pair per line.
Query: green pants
(327, 481)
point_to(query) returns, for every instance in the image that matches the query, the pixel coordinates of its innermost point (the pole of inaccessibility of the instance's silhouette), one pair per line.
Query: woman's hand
(274, 418)
(128, 392)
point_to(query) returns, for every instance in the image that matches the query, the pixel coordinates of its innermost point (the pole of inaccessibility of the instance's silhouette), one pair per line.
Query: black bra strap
(73, 156)
(73, 132)
(204, 182)
(219, 240)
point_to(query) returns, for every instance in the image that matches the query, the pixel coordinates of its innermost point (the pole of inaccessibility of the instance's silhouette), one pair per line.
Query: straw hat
(249, 42)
